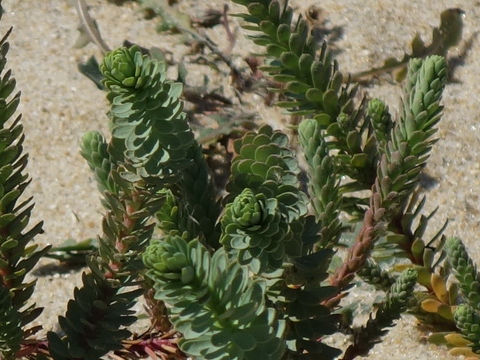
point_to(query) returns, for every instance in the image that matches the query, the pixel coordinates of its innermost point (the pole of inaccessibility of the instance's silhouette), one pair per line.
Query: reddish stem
(360, 250)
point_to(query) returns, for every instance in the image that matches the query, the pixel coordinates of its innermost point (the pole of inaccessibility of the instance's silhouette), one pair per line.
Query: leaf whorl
(465, 271)
(157, 142)
(147, 114)
(269, 170)
(265, 165)
(253, 228)
(213, 302)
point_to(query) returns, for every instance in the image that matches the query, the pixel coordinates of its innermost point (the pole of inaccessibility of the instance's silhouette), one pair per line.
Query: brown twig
(157, 311)
(154, 345)
(32, 348)
(359, 251)
(230, 36)
(89, 25)
(206, 41)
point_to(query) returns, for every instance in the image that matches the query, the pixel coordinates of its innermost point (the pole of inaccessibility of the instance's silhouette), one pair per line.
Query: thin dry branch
(90, 26)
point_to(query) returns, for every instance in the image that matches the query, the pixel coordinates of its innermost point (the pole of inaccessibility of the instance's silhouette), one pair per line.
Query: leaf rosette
(168, 261)
(265, 165)
(253, 228)
(147, 114)
(94, 150)
(124, 68)
(220, 311)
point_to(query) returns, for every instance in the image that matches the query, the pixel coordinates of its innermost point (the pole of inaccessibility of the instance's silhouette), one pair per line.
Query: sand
(59, 105)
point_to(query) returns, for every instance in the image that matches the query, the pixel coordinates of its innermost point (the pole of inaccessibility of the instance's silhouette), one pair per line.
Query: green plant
(251, 274)
(466, 315)
(17, 255)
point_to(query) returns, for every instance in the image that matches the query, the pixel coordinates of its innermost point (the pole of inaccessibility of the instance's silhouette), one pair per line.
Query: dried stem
(89, 25)
(230, 36)
(359, 252)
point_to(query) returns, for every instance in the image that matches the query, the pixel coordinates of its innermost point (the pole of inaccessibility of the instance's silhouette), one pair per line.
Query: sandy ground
(59, 105)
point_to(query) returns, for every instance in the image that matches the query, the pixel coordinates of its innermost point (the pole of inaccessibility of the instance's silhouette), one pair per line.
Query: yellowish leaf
(465, 351)
(431, 305)
(402, 267)
(439, 287)
(423, 276)
(434, 306)
(457, 339)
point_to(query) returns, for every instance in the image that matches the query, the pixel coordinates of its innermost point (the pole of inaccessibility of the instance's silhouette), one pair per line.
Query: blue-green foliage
(254, 228)
(158, 143)
(390, 309)
(314, 87)
(249, 282)
(323, 185)
(95, 151)
(147, 113)
(268, 168)
(213, 302)
(412, 138)
(263, 227)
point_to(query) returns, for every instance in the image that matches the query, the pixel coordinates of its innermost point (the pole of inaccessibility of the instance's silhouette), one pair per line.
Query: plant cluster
(252, 273)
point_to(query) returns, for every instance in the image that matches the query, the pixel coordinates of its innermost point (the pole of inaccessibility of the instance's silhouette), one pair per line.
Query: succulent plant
(230, 316)
(157, 142)
(264, 165)
(396, 302)
(147, 113)
(17, 255)
(11, 326)
(468, 321)
(465, 272)
(253, 227)
(251, 273)
(125, 68)
(94, 150)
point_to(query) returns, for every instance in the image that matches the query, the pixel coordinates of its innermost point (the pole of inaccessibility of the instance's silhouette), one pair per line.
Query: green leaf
(226, 305)
(297, 87)
(91, 69)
